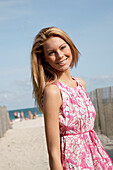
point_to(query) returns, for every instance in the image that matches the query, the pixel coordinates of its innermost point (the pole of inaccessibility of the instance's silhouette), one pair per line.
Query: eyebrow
(59, 47)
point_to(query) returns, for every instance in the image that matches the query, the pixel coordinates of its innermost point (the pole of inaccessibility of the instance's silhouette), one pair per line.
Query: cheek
(68, 51)
(50, 59)
(69, 54)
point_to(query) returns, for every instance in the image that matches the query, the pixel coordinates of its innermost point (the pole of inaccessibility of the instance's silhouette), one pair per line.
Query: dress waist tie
(92, 136)
(76, 133)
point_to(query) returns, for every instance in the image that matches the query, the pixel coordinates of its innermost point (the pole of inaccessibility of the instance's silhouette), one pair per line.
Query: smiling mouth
(62, 62)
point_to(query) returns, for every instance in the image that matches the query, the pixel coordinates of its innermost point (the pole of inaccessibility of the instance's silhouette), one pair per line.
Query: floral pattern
(80, 147)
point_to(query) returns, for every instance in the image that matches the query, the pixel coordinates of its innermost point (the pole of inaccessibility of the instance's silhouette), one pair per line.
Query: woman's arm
(52, 103)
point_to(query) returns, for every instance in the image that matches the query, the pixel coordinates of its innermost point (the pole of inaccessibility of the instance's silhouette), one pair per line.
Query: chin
(64, 68)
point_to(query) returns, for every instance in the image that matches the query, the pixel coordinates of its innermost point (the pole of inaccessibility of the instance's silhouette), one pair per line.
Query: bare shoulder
(52, 90)
(52, 93)
(82, 82)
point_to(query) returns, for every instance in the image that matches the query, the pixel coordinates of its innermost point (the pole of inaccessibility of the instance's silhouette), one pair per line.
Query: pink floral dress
(80, 147)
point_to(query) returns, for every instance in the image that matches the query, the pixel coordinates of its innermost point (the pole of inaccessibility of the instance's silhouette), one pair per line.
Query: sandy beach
(24, 147)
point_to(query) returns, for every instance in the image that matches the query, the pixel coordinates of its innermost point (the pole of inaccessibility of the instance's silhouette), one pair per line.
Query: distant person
(34, 115)
(22, 115)
(17, 116)
(30, 114)
(26, 118)
(68, 111)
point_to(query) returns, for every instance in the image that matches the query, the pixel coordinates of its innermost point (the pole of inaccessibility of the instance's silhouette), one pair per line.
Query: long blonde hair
(41, 71)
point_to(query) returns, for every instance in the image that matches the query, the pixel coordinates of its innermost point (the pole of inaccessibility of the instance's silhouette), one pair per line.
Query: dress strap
(79, 83)
(77, 80)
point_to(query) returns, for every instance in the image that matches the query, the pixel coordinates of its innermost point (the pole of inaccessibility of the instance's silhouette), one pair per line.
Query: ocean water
(11, 112)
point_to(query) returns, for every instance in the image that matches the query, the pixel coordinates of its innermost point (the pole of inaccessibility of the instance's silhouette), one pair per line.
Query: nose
(59, 54)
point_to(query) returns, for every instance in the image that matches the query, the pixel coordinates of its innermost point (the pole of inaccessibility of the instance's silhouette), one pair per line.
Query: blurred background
(88, 23)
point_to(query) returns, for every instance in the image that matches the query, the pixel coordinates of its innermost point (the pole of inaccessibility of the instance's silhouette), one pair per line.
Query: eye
(51, 52)
(63, 47)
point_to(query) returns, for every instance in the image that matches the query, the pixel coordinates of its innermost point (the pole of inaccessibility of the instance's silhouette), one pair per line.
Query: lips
(62, 62)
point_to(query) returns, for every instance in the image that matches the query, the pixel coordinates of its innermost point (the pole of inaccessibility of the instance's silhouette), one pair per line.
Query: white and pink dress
(80, 147)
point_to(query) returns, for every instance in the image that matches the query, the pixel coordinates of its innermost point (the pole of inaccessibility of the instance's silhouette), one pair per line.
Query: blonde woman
(68, 112)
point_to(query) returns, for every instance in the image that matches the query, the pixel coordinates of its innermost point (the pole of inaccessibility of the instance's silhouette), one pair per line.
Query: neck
(65, 76)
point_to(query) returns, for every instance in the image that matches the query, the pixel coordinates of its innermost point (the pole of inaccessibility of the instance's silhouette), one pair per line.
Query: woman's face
(57, 53)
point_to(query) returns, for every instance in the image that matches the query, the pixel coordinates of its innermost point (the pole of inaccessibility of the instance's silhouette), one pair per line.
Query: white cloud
(102, 81)
(16, 87)
(25, 85)
(16, 99)
(5, 95)
(103, 78)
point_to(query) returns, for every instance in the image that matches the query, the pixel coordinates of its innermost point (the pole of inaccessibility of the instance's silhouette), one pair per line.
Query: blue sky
(89, 23)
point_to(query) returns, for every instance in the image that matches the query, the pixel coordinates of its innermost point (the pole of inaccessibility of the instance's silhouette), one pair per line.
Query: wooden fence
(4, 121)
(102, 100)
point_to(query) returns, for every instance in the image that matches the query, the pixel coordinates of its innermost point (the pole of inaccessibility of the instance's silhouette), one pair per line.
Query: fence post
(93, 97)
(8, 121)
(97, 119)
(109, 114)
(101, 111)
(4, 121)
(1, 131)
